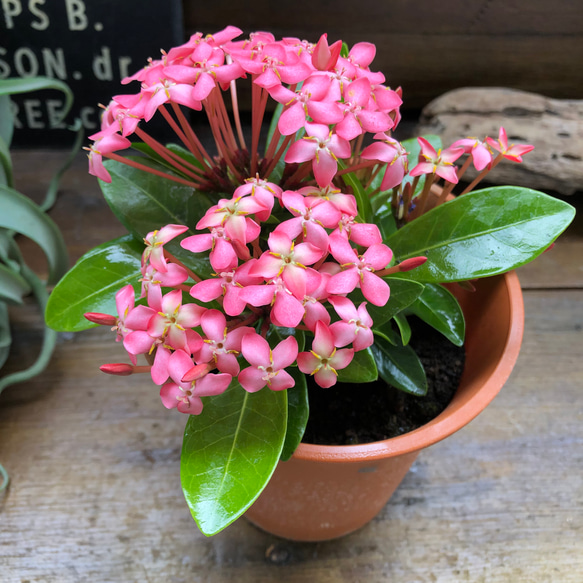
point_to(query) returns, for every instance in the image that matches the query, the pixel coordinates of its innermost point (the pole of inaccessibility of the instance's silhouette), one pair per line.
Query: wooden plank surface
(94, 460)
(430, 47)
(95, 493)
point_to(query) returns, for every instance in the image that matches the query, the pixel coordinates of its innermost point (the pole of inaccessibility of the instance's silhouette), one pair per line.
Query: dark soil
(347, 414)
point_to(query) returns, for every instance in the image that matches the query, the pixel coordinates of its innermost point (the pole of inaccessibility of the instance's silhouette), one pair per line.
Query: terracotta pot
(324, 492)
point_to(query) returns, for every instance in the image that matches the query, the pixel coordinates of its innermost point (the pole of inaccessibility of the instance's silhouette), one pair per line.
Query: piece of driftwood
(553, 126)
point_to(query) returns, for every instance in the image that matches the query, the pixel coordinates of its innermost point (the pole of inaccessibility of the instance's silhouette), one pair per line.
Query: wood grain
(94, 460)
(95, 494)
(426, 47)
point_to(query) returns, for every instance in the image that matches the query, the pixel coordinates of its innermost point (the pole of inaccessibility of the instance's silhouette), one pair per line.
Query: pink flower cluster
(335, 90)
(309, 260)
(296, 272)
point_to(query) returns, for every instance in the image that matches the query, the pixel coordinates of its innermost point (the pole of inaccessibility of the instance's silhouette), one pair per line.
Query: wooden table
(95, 493)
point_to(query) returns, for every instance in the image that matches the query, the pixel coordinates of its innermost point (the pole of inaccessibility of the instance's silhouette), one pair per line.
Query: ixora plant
(249, 269)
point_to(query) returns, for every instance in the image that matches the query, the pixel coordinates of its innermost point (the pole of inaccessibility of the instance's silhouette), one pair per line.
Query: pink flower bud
(117, 368)
(196, 372)
(102, 319)
(412, 263)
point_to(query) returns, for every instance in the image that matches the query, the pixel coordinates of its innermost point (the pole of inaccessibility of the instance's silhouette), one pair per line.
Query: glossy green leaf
(403, 294)
(439, 308)
(362, 369)
(26, 85)
(385, 220)
(13, 287)
(387, 332)
(400, 367)
(482, 233)
(344, 50)
(91, 285)
(362, 200)
(5, 336)
(23, 216)
(298, 412)
(404, 328)
(277, 334)
(229, 453)
(144, 202)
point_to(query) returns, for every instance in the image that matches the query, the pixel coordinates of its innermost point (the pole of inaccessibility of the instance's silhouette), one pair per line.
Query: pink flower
(274, 65)
(358, 270)
(479, 151)
(440, 163)
(229, 285)
(324, 359)
(219, 345)
(324, 57)
(155, 240)
(232, 216)
(173, 320)
(512, 152)
(287, 260)
(267, 365)
(186, 396)
(315, 99)
(355, 326)
(311, 216)
(393, 154)
(323, 148)
(287, 310)
(357, 115)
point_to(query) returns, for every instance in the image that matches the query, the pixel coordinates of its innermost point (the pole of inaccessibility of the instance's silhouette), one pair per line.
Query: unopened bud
(412, 263)
(196, 372)
(102, 319)
(324, 57)
(117, 368)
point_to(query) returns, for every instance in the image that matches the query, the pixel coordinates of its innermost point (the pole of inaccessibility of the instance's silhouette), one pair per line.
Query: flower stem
(481, 175)
(145, 168)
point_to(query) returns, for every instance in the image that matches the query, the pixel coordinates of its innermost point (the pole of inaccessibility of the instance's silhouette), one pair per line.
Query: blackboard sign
(90, 45)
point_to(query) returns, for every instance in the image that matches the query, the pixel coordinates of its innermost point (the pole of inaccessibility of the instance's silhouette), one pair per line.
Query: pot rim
(448, 422)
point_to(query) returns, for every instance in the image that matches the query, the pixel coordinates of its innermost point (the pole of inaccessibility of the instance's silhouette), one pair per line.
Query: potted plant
(292, 256)
(22, 216)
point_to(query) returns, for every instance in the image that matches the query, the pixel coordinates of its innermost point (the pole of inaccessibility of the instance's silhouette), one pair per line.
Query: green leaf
(229, 453)
(277, 334)
(439, 308)
(144, 202)
(23, 216)
(400, 367)
(401, 297)
(362, 201)
(91, 285)
(13, 287)
(5, 164)
(344, 50)
(404, 328)
(5, 336)
(387, 332)
(482, 233)
(49, 336)
(26, 85)
(298, 412)
(6, 120)
(385, 219)
(362, 369)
